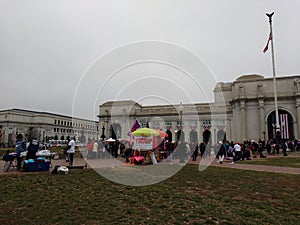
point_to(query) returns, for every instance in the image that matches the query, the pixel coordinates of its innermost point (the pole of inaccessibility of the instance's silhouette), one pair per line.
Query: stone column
(243, 119)
(297, 103)
(228, 130)
(297, 127)
(235, 125)
(262, 125)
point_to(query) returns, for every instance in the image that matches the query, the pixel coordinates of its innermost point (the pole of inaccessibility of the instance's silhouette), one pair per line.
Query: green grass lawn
(215, 196)
(287, 161)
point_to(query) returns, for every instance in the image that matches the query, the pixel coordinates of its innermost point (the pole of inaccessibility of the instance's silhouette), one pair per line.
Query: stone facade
(44, 126)
(243, 109)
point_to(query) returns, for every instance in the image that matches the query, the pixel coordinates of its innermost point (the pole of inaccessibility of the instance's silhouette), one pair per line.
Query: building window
(178, 123)
(193, 122)
(168, 123)
(206, 124)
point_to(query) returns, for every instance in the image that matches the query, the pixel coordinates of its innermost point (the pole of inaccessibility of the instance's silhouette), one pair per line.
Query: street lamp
(30, 131)
(180, 112)
(103, 135)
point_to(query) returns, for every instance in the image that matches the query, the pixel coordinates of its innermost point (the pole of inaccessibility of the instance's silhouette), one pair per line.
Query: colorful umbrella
(162, 133)
(145, 132)
(110, 140)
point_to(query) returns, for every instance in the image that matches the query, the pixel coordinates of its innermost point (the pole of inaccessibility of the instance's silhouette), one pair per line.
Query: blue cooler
(37, 165)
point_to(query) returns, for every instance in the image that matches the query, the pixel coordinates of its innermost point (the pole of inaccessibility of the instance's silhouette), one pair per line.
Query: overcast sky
(59, 53)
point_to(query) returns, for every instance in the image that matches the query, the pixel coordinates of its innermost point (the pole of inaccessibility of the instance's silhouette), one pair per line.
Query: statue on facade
(297, 85)
(241, 89)
(260, 88)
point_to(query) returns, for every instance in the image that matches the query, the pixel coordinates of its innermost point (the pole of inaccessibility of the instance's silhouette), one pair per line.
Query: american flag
(135, 125)
(267, 45)
(284, 126)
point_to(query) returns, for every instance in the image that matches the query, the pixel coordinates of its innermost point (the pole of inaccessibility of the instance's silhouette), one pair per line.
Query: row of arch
(285, 119)
(115, 131)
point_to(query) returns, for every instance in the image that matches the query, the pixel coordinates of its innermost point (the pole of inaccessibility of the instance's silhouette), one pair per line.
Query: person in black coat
(195, 153)
(222, 151)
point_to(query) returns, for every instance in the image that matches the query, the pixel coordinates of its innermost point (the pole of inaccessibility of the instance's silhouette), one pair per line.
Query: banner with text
(143, 143)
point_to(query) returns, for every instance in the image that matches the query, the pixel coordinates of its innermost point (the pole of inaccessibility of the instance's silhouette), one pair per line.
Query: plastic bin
(37, 166)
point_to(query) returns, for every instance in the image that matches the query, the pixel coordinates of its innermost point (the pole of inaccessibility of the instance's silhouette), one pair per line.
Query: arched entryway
(221, 135)
(285, 122)
(179, 135)
(193, 136)
(115, 131)
(206, 136)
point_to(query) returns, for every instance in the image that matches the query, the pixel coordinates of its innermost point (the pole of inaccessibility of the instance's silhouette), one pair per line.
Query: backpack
(21, 146)
(33, 146)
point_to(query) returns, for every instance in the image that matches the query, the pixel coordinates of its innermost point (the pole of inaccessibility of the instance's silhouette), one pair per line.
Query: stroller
(10, 160)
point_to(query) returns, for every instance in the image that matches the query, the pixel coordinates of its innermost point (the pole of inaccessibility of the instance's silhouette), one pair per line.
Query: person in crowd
(297, 145)
(273, 149)
(116, 149)
(284, 148)
(122, 148)
(202, 150)
(221, 151)
(128, 152)
(290, 146)
(195, 147)
(101, 150)
(89, 148)
(254, 148)
(230, 153)
(246, 151)
(260, 149)
(66, 149)
(169, 147)
(32, 147)
(71, 151)
(20, 147)
(237, 152)
(95, 149)
(277, 147)
(268, 147)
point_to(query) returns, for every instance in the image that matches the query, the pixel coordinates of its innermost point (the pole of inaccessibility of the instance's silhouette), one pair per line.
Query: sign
(143, 143)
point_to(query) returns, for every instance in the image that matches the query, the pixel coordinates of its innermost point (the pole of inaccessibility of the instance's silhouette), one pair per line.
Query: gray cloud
(46, 46)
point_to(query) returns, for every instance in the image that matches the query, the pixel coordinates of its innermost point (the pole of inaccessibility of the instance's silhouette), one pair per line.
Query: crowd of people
(105, 149)
(223, 150)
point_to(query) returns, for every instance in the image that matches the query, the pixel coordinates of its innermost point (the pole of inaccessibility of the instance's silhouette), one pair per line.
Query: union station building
(44, 126)
(242, 110)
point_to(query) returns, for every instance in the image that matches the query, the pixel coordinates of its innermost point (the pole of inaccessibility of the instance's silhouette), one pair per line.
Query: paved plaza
(112, 162)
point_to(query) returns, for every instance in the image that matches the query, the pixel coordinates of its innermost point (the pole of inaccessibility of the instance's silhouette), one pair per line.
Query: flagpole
(277, 127)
